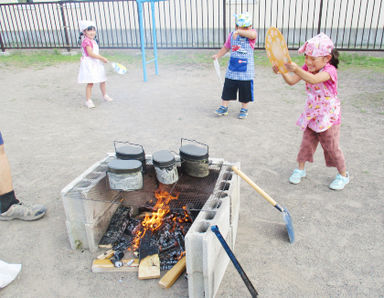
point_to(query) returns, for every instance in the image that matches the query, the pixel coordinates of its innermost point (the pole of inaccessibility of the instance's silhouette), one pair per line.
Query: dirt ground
(51, 138)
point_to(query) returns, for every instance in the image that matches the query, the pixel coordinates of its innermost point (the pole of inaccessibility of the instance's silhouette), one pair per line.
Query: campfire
(161, 227)
(156, 231)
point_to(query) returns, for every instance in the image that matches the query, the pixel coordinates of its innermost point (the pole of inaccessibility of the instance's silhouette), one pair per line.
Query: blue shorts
(1, 139)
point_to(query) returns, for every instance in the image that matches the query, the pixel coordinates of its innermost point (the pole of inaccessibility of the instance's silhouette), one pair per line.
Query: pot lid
(124, 166)
(163, 158)
(129, 151)
(191, 151)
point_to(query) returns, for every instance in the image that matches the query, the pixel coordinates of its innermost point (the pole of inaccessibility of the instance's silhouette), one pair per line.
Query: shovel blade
(289, 226)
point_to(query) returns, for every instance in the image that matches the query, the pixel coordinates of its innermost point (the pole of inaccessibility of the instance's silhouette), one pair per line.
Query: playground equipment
(142, 36)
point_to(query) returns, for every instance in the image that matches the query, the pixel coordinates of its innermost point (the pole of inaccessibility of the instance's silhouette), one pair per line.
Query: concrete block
(88, 235)
(89, 204)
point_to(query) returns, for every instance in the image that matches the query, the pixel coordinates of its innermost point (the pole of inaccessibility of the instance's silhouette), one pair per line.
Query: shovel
(245, 278)
(286, 215)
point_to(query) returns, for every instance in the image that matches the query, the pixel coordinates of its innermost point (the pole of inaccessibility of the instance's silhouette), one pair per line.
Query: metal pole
(244, 276)
(154, 37)
(2, 44)
(142, 38)
(320, 16)
(224, 21)
(65, 25)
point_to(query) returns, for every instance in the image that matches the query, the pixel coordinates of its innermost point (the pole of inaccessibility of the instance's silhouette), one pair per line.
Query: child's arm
(310, 78)
(220, 53)
(93, 55)
(289, 78)
(248, 33)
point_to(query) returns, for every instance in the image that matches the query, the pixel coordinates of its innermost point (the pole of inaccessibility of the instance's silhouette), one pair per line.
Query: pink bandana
(318, 46)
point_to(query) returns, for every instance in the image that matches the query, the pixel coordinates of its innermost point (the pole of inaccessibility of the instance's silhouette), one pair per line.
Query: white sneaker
(107, 98)
(339, 182)
(296, 176)
(23, 211)
(89, 103)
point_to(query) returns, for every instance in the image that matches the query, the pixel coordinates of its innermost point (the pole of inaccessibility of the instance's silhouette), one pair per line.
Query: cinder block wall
(207, 261)
(89, 205)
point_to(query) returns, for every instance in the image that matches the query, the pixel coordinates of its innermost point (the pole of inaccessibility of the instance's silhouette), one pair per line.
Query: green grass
(36, 58)
(359, 60)
(41, 58)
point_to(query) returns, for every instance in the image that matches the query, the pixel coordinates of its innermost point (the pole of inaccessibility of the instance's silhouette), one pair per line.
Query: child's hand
(105, 60)
(214, 57)
(235, 34)
(275, 69)
(291, 67)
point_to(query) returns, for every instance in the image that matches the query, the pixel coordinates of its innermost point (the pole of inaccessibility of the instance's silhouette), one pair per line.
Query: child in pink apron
(91, 66)
(320, 120)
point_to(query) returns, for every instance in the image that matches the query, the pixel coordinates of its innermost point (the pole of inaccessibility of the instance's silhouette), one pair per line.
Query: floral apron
(322, 109)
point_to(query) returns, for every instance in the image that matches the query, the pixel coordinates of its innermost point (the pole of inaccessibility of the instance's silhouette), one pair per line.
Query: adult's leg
(5, 173)
(10, 207)
(7, 195)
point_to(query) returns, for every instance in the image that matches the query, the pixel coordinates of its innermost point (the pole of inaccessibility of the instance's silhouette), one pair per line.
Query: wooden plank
(106, 255)
(107, 266)
(172, 275)
(149, 267)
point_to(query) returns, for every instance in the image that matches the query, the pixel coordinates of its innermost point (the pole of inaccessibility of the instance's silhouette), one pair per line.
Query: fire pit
(89, 205)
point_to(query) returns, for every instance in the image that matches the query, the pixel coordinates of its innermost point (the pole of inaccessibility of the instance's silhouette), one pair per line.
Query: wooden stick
(173, 274)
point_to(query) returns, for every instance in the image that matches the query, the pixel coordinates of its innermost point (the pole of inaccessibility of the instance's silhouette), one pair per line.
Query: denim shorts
(1, 139)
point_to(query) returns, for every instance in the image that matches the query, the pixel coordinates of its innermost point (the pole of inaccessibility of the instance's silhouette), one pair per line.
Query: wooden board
(172, 275)
(149, 267)
(277, 49)
(107, 266)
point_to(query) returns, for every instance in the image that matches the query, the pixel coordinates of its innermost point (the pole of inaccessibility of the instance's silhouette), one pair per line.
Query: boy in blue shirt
(240, 71)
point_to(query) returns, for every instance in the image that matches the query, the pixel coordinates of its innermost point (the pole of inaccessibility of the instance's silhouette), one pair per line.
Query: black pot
(130, 151)
(194, 159)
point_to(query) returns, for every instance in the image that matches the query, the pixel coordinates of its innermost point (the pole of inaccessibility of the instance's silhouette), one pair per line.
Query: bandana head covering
(84, 24)
(318, 46)
(243, 20)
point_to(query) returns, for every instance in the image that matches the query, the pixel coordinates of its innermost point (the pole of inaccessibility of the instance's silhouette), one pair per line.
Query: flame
(154, 221)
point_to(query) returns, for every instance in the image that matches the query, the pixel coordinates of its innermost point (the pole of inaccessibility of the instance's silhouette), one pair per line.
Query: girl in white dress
(91, 65)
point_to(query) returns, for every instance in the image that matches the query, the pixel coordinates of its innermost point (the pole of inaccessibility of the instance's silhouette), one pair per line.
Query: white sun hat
(84, 24)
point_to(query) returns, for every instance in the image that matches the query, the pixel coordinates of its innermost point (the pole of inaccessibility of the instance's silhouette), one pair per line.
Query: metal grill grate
(194, 192)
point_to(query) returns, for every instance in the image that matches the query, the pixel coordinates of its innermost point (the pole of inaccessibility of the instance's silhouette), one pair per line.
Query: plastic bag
(217, 68)
(8, 273)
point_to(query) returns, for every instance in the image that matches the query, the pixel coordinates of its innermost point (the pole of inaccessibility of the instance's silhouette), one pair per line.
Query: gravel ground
(51, 138)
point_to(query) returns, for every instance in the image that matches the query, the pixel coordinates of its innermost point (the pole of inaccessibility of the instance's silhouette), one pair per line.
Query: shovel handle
(253, 184)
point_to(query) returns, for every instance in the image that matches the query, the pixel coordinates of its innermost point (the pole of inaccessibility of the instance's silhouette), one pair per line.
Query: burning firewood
(116, 228)
(158, 237)
(149, 265)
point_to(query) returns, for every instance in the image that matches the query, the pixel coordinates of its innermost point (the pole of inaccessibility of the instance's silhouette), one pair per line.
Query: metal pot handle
(126, 142)
(195, 142)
